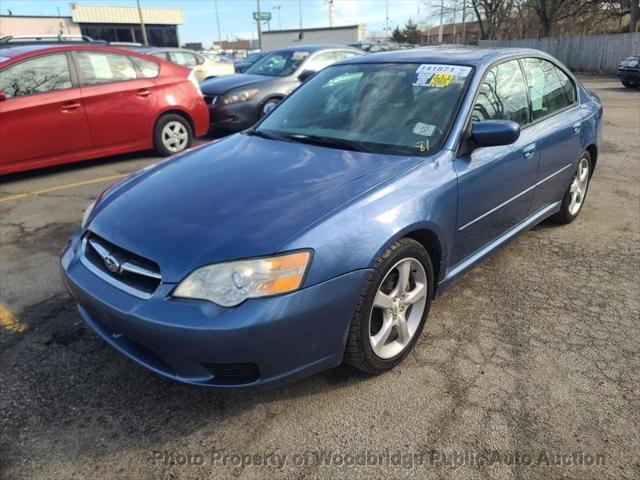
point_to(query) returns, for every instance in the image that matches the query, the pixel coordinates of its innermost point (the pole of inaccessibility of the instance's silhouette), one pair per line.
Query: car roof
(19, 50)
(473, 56)
(162, 49)
(313, 48)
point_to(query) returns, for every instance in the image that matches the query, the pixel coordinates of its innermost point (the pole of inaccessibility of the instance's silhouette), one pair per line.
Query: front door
(495, 184)
(42, 116)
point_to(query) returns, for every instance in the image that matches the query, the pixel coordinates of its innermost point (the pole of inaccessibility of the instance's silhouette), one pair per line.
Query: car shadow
(78, 385)
(102, 161)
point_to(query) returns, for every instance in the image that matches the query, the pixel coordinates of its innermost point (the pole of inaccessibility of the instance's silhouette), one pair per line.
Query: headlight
(85, 215)
(240, 96)
(229, 284)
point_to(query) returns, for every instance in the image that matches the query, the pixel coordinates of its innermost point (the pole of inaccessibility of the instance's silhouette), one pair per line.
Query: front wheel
(268, 106)
(392, 310)
(576, 193)
(172, 134)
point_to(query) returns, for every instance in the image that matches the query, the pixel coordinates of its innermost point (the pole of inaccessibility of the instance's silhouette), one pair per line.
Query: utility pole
(634, 14)
(215, 3)
(440, 28)
(387, 18)
(278, 7)
(332, 14)
(145, 40)
(300, 8)
(259, 22)
(464, 22)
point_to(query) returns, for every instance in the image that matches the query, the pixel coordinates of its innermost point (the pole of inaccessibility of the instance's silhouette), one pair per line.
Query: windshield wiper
(329, 142)
(262, 134)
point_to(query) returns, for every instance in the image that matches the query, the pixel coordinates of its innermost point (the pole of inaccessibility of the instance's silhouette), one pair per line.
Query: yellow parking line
(9, 321)
(62, 187)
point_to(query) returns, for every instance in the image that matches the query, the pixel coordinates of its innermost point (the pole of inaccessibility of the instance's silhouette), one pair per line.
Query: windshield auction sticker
(439, 76)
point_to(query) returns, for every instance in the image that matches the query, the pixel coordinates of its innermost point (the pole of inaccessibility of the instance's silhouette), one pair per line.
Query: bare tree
(492, 15)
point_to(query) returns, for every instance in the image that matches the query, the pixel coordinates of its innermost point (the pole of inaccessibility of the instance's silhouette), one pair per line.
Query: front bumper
(260, 343)
(235, 117)
(629, 75)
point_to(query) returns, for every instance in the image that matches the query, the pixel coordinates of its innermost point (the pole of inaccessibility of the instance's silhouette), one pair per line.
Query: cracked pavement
(533, 352)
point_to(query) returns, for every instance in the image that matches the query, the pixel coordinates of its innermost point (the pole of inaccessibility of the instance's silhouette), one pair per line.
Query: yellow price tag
(440, 80)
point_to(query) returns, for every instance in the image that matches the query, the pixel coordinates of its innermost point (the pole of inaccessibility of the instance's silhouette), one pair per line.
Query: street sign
(264, 16)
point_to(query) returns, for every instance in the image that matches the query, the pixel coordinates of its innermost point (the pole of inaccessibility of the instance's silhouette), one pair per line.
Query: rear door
(558, 121)
(43, 115)
(495, 184)
(119, 101)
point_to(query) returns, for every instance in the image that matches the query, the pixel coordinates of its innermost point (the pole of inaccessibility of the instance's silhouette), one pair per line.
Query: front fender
(424, 198)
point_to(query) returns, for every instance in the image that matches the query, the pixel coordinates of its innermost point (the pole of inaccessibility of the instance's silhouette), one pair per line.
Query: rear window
(147, 68)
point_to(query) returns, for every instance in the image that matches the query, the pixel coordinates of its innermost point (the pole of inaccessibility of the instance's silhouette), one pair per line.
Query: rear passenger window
(98, 67)
(502, 95)
(185, 59)
(549, 88)
(147, 68)
(38, 75)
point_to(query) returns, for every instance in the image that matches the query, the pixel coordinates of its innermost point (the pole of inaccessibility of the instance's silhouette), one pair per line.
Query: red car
(67, 103)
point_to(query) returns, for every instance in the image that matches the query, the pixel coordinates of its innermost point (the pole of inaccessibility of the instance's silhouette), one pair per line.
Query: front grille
(120, 265)
(210, 99)
(233, 373)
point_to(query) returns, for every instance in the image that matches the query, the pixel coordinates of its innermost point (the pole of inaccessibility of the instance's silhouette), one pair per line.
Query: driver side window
(502, 95)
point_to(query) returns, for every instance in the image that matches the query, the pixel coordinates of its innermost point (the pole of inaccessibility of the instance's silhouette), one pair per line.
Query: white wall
(340, 36)
(14, 25)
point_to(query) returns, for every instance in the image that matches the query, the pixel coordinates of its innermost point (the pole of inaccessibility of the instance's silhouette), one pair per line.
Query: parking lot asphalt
(528, 367)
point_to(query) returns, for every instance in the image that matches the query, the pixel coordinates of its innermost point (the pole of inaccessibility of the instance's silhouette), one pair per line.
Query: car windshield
(278, 64)
(403, 109)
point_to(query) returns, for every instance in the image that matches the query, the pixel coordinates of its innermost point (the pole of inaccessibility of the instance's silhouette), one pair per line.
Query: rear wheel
(172, 134)
(392, 310)
(576, 194)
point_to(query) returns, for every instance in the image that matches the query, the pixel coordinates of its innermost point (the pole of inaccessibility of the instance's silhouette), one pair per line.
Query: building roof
(107, 14)
(315, 29)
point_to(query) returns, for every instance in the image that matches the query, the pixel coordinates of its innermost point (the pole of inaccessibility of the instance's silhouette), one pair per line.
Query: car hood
(219, 86)
(240, 197)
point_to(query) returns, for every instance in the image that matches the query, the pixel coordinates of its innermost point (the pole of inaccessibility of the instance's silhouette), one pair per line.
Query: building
(122, 24)
(452, 33)
(113, 24)
(333, 35)
(45, 25)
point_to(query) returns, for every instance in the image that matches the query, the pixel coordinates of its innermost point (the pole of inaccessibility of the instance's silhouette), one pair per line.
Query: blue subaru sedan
(322, 234)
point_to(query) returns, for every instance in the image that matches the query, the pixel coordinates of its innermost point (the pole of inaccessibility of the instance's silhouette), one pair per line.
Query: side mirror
(305, 75)
(3, 96)
(491, 133)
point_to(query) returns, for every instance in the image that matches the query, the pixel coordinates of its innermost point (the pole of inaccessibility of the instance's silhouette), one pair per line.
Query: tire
(628, 84)
(369, 320)
(166, 127)
(271, 101)
(568, 211)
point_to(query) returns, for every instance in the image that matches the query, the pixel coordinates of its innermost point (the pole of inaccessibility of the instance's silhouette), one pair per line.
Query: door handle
(576, 127)
(70, 106)
(144, 92)
(529, 150)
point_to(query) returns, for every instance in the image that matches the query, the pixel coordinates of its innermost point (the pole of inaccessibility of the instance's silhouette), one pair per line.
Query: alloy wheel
(398, 308)
(175, 136)
(579, 184)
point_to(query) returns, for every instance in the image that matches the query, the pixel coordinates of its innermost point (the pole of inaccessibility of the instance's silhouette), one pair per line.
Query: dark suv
(629, 71)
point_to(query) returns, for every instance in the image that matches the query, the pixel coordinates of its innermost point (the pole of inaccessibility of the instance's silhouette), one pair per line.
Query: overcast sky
(235, 15)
